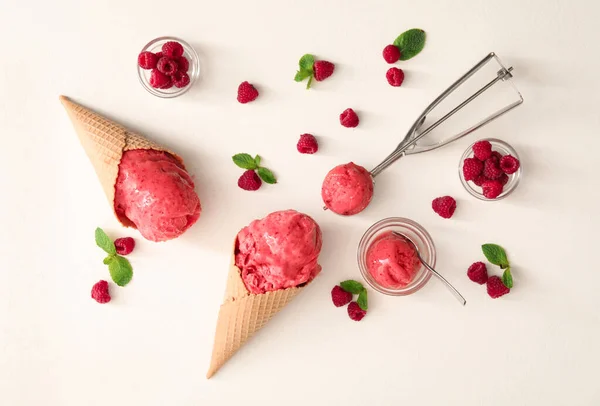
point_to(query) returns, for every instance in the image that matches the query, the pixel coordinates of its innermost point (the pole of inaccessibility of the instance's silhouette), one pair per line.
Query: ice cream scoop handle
(455, 292)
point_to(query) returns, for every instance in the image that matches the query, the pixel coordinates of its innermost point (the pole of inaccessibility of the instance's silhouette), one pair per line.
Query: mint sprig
(357, 288)
(245, 161)
(307, 62)
(120, 270)
(267, 176)
(305, 69)
(119, 267)
(352, 286)
(362, 300)
(497, 256)
(410, 43)
(104, 242)
(301, 75)
(507, 279)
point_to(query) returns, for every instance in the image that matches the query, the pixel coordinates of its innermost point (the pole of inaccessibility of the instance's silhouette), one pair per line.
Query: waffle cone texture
(242, 314)
(104, 142)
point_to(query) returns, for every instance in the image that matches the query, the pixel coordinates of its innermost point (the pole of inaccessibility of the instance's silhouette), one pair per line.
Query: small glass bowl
(513, 180)
(410, 229)
(193, 72)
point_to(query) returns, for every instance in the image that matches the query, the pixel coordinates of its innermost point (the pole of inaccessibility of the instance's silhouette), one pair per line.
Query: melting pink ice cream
(347, 189)
(279, 251)
(155, 194)
(391, 261)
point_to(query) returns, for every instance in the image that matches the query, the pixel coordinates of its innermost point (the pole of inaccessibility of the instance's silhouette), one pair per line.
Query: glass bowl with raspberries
(389, 264)
(168, 67)
(490, 169)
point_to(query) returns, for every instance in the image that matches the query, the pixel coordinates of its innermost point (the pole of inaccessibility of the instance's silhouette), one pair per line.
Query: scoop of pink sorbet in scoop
(279, 251)
(155, 194)
(347, 189)
(391, 261)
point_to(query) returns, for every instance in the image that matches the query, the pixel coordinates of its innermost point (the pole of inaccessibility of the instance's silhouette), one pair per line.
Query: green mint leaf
(307, 62)
(362, 300)
(353, 287)
(257, 160)
(244, 161)
(267, 176)
(120, 270)
(104, 242)
(507, 279)
(495, 254)
(309, 82)
(410, 43)
(108, 259)
(301, 75)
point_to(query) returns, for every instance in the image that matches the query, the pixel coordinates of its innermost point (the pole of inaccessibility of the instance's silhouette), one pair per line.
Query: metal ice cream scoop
(503, 103)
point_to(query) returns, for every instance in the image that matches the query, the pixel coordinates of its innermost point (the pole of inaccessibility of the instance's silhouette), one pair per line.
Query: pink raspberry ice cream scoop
(347, 189)
(278, 252)
(391, 261)
(155, 194)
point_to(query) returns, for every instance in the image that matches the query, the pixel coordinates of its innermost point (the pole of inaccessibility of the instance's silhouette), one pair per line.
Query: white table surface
(151, 345)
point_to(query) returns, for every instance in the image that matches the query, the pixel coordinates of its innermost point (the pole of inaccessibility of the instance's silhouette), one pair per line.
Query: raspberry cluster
(489, 169)
(169, 67)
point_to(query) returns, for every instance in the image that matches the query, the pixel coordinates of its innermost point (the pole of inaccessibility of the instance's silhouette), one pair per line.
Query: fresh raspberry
(172, 49)
(307, 144)
(391, 54)
(492, 188)
(355, 312)
(477, 272)
(472, 168)
(167, 66)
(124, 245)
(494, 158)
(495, 287)
(395, 76)
(482, 150)
(147, 60)
(479, 180)
(491, 169)
(100, 292)
(349, 119)
(509, 164)
(159, 80)
(169, 84)
(340, 297)
(180, 79)
(159, 55)
(323, 70)
(183, 64)
(246, 93)
(497, 154)
(503, 179)
(444, 206)
(249, 180)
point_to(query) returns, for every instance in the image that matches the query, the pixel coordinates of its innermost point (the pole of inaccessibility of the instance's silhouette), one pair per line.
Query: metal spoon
(455, 292)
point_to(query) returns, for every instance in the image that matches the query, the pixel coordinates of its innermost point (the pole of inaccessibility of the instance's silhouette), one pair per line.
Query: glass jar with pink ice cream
(388, 263)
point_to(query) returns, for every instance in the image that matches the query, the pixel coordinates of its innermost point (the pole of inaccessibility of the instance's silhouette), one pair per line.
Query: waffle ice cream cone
(242, 314)
(104, 142)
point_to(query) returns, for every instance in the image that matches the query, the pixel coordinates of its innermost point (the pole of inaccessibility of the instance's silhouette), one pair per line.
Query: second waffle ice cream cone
(264, 277)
